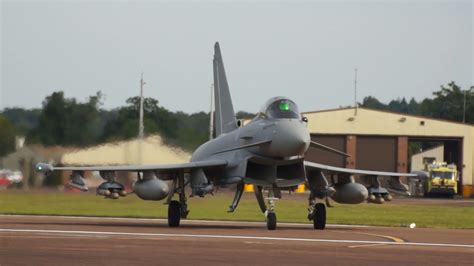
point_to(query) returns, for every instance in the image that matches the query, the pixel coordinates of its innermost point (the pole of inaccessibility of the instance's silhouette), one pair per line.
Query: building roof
(375, 122)
(389, 112)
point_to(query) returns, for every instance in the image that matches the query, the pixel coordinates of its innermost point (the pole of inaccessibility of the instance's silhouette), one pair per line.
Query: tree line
(67, 122)
(448, 103)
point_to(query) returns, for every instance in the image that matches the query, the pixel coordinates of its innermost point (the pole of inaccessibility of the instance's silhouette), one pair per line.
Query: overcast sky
(304, 50)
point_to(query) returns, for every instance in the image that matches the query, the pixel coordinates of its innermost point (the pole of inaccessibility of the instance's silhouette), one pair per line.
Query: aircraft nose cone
(290, 138)
(299, 142)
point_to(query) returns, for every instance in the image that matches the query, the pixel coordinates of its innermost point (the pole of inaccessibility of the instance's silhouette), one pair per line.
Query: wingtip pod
(44, 168)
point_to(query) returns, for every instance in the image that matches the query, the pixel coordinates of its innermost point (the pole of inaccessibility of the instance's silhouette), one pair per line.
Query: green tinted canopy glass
(284, 106)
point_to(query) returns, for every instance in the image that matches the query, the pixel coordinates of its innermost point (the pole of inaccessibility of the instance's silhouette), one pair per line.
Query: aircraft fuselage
(267, 151)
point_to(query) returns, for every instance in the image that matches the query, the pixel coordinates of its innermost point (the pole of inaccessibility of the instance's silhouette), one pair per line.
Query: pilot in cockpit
(278, 108)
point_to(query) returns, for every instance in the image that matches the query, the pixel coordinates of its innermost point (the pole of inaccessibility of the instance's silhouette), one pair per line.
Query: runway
(79, 240)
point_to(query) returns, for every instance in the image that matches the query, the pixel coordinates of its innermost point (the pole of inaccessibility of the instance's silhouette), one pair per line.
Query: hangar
(379, 140)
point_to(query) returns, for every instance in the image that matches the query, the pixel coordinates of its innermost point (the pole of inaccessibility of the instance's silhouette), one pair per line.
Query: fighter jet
(267, 152)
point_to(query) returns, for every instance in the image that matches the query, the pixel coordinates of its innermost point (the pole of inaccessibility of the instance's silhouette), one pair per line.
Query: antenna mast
(464, 108)
(140, 125)
(211, 114)
(355, 92)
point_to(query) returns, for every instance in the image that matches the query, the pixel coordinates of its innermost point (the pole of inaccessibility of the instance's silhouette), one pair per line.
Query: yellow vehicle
(441, 179)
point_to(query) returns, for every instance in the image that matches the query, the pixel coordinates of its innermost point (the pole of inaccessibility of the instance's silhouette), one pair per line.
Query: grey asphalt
(42, 240)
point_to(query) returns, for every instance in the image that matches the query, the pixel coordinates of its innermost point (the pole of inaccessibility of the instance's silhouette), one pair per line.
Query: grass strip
(292, 208)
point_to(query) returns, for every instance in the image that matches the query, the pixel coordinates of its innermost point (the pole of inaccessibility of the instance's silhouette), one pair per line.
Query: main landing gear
(317, 213)
(174, 213)
(319, 191)
(177, 209)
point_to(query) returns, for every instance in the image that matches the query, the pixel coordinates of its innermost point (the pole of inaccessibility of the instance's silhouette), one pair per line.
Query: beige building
(378, 140)
(421, 159)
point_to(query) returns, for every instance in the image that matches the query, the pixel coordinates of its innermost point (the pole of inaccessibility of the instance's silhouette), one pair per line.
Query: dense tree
(413, 107)
(193, 130)
(372, 102)
(156, 119)
(23, 120)
(448, 103)
(66, 122)
(180, 129)
(7, 136)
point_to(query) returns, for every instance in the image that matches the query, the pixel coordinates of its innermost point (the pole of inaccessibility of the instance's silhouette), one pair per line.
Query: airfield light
(284, 106)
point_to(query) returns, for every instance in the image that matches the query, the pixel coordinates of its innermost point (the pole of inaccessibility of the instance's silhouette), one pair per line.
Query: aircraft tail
(225, 120)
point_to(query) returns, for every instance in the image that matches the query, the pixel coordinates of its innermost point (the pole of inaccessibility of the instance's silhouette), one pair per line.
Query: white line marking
(95, 233)
(365, 246)
(183, 221)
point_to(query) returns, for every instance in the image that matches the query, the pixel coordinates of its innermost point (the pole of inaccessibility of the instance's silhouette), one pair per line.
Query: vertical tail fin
(225, 120)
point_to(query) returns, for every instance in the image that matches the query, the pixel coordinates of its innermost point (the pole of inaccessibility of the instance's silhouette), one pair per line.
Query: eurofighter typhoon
(268, 152)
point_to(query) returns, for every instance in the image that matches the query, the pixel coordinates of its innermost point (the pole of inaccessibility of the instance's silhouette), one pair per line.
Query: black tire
(174, 213)
(387, 197)
(319, 218)
(271, 221)
(379, 200)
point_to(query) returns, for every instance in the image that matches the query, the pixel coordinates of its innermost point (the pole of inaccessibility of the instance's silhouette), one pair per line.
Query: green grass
(289, 209)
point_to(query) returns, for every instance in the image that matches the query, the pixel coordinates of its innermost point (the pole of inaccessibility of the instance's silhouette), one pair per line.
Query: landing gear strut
(269, 211)
(177, 209)
(238, 195)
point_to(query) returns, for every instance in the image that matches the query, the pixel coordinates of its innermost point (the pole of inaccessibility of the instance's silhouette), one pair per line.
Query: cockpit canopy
(280, 107)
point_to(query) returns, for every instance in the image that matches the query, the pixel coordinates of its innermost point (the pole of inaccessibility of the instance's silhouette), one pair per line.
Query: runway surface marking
(394, 239)
(95, 233)
(182, 221)
(366, 246)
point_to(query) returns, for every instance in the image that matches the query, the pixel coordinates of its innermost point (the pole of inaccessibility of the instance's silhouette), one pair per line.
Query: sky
(306, 51)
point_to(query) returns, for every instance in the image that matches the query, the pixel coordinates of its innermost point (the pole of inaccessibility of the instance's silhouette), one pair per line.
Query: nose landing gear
(271, 221)
(269, 211)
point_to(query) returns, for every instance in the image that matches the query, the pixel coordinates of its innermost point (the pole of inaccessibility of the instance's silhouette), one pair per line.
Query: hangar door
(376, 153)
(320, 156)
